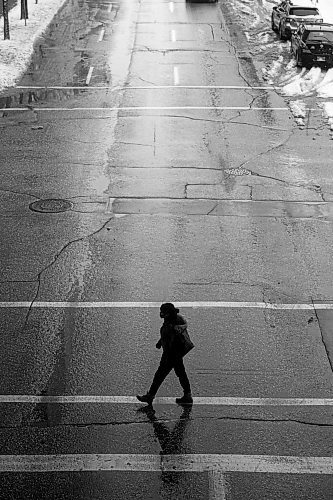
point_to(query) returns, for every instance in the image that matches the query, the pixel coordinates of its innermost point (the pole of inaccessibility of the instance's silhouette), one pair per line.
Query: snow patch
(326, 9)
(15, 54)
(298, 109)
(328, 113)
(325, 89)
(304, 83)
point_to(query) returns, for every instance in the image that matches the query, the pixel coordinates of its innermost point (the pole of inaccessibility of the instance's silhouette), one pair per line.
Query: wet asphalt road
(178, 194)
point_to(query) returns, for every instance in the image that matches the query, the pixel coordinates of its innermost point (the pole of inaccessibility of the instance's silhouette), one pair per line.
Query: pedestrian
(175, 344)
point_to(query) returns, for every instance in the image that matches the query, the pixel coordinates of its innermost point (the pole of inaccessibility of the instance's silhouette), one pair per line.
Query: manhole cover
(237, 171)
(52, 206)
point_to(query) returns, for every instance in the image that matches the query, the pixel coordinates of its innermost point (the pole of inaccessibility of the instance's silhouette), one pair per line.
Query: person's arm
(181, 325)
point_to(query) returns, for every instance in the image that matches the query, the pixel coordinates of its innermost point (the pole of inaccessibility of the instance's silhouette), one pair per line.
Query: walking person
(175, 343)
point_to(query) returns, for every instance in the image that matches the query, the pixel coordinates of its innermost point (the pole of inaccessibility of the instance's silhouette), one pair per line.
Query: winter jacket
(170, 340)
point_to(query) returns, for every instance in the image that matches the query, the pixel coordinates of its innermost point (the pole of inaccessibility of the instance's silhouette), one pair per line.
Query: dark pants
(166, 365)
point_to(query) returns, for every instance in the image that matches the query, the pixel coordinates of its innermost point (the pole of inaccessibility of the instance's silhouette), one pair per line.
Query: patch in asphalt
(237, 171)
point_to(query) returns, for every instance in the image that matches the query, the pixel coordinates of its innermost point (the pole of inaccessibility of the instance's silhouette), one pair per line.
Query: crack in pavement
(269, 150)
(128, 87)
(19, 193)
(265, 127)
(18, 281)
(227, 121)
(212, 31)
(214, 207)
(54, 260)
(25, 324)
(314, 188)
(266, 287)
(323, 337)
(134, 144)
(233, 49)
(192, 419)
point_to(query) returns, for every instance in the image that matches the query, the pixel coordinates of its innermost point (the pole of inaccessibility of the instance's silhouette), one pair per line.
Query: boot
(185, 400)
(146, 398)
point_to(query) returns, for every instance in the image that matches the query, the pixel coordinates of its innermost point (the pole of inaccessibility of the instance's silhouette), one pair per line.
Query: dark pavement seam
(193, 419)
(328, 354)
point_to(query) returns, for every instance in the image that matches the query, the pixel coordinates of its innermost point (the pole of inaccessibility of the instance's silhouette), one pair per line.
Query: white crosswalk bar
(213, 401)
(197, 304)
(168, 463)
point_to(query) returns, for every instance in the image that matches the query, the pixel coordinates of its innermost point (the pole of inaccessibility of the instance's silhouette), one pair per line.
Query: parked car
(288, 15)
(312, 44)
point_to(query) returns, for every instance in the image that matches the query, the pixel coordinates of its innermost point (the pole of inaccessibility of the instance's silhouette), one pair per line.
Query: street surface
(183, 176)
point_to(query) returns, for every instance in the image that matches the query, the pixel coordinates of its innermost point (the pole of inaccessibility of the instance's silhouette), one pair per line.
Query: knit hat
(168, 308)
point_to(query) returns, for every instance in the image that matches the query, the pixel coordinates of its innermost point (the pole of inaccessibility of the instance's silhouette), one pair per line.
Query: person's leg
(162, 371)
(184, 382)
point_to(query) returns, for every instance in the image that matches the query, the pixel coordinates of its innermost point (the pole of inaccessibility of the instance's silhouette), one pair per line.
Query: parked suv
(313, 44)
(287, 16)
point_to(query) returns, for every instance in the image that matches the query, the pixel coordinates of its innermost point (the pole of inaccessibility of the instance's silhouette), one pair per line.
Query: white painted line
(110, 8)
(194, 305)
(171, 6)
(101, 35)
(173, 35)
(201, 401)
(167, 463)
(175, 75)
(152, 87)
(157, 108)
(91, 69)
(216, 485)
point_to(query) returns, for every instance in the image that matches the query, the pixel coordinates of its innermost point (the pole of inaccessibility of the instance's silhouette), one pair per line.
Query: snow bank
(15, 53)
(326, 9)
(328, 113)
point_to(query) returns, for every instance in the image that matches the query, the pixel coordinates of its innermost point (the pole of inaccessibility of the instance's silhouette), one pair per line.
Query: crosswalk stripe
(147, 87)
(211, 401)
(167, 463)
(198, 304)
(154, 108)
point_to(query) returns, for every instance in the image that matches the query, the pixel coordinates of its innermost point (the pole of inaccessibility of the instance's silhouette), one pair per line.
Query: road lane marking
(156, 108)
(150, 87)
(101, 35)
(90, 72)
(171, 7)
(273, 464)
(194, 305)
(176, 75)
(198, 401)
(173, 35)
